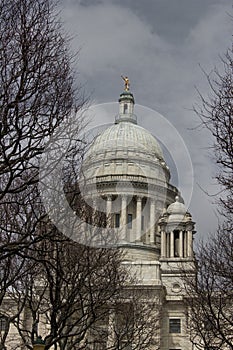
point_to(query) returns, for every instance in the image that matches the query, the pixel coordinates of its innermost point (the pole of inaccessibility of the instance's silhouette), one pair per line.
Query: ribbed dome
(126, 136)
(126, 149)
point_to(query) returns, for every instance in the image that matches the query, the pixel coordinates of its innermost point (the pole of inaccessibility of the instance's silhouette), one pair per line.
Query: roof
(126, 136)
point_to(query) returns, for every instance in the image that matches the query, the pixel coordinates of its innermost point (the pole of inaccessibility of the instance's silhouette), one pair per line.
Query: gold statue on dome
(127, 82)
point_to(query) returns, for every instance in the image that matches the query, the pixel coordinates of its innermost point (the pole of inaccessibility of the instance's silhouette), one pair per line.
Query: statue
(127, 83)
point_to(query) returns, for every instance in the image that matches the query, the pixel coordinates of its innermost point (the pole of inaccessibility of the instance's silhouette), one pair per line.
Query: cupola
(126, 105)
(177, 229)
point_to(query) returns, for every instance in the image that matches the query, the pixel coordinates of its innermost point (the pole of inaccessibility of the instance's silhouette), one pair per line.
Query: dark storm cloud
(159, 44)
(172, 20)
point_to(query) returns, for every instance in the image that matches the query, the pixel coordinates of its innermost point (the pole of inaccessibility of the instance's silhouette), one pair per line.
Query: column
(95, 216)
(163, 244)
(138, 219)
(172, 244)
(152, 221)
(181, 252)
(185, 244)
(167, 244)
(109, 211)
(123, 216)
(190, 244)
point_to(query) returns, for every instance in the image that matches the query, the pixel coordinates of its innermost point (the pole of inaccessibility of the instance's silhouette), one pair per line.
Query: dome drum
(132, 185)
(126, 174)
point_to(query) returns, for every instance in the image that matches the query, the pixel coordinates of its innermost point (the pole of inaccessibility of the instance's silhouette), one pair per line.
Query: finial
(127, 82)
(177, 199)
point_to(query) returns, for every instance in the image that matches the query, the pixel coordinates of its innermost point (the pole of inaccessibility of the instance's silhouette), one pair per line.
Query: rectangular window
(2, 323)
(174, 325)
(130, 220)
(209, 324)
(125, 108)
(142, 223)
(117, 220)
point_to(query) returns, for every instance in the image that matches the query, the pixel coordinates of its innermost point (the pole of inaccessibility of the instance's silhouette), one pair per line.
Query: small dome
(176, 211)
(177, 207)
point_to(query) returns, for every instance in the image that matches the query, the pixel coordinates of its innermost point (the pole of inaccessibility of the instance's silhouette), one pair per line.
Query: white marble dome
(126, 136)
(126, 158)
(126, 148)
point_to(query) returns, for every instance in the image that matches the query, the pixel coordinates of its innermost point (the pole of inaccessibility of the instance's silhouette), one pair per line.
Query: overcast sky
(160, 45)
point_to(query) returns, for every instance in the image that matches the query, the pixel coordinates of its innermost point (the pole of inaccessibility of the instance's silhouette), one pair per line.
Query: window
(125, 108)
(3, 323)
(209, 324)
(117, 220)
(142, 223)
(124, 316)
(130, 220)
(174, 325)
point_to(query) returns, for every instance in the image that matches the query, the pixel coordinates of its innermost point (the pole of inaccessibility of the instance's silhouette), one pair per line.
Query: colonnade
(181, 248)
(177, 242)
(137, 216)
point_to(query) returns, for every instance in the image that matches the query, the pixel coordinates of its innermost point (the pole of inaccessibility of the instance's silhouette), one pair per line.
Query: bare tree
(67, 291)
(48, 280)
(216, 113)
(64, 290)
(36, 86)
(210, 295)
(136, 319)
(79, 297)
(37, 93)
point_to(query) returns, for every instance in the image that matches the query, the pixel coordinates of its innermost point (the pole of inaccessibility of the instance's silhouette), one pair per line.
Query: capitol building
(126, 177)
(125, 166)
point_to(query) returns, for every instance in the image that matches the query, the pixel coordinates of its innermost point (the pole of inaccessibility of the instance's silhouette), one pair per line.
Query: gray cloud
(159, 44)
